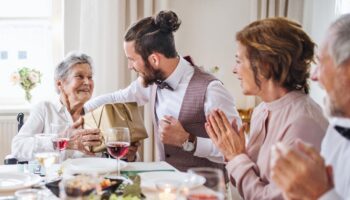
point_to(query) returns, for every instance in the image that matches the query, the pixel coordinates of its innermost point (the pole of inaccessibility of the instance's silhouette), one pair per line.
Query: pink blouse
(293, 116)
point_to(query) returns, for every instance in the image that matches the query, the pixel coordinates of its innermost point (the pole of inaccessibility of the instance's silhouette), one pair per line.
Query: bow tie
(163, 84)
(343, 131)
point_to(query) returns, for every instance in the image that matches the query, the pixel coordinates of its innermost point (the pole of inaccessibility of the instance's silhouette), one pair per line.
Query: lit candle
(167, 194)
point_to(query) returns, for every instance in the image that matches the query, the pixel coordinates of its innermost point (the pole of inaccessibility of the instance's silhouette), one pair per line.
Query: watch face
(188, 146)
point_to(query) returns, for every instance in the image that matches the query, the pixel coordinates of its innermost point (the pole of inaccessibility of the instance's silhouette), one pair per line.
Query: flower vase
(28, 95)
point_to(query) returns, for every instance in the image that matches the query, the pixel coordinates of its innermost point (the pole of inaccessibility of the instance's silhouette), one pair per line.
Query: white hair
(339, 47)
(64, 67)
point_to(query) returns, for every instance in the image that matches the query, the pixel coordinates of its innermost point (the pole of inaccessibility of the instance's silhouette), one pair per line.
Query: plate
(149, 179)
(92, 165)
(17, 180)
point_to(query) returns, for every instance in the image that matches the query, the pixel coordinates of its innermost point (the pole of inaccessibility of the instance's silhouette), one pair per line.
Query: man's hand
(301, 173)
(227, 137)
(132, 151)
(172, 132)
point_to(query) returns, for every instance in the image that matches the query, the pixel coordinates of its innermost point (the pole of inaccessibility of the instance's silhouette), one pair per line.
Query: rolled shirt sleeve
(217, 97)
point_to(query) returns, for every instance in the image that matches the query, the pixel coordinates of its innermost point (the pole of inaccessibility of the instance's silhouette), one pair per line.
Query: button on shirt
(336, 151)
(169, 102)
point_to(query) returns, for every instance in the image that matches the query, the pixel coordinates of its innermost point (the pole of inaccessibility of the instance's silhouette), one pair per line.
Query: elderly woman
(73, 81)
(273, 61)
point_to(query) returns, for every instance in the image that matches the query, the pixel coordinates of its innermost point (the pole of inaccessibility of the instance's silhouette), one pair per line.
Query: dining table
(140, 168)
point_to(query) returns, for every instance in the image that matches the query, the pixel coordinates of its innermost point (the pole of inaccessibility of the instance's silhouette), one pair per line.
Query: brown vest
(192, 118)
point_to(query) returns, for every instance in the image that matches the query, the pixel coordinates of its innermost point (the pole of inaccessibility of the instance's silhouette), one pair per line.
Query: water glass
(214, 184)
(46, 160)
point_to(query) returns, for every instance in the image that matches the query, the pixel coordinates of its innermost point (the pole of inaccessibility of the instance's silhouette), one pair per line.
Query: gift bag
(116, 115)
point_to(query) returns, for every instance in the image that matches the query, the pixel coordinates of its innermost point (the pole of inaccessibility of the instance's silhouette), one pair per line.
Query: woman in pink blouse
(273, 62)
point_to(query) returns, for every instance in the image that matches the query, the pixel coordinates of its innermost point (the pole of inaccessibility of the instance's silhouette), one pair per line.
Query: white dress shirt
(336, 151)
(25, 144)
(169, 102)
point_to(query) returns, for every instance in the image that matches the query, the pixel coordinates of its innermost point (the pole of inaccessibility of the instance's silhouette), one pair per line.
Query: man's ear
(154, 60)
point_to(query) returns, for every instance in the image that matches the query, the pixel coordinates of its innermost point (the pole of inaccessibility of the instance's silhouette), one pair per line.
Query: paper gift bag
(116, 115)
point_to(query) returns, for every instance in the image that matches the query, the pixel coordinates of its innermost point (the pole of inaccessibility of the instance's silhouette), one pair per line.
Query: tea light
(167, 194)
(167, 189)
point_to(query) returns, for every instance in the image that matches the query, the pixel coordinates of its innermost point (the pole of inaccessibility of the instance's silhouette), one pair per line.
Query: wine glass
(214, 184)
(61, 138)
(117, 142)
(45, 156)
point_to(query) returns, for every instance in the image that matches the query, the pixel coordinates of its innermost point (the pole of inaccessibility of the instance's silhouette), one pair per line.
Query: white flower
(33, 77)
(15, 78)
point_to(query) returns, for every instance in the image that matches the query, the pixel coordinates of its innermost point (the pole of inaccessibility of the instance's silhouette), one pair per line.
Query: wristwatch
(189, 144)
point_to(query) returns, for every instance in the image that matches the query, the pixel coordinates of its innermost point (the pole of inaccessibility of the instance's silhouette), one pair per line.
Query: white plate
(92, 165)
(16, 180)
(149, 179)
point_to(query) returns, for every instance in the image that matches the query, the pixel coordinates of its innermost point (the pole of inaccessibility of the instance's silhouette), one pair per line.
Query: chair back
(20, 118)
(9, 160)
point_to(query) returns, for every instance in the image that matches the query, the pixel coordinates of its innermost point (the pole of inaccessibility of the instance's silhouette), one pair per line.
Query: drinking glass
(61, 138)
(214, 184)
(44, 154)
(117, 142)
(46, 160)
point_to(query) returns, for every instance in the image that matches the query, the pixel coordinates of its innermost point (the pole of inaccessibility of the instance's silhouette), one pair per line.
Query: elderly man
(301, 172)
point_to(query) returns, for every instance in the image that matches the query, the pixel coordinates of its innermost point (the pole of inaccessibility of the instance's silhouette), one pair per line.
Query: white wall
(207, 33)
(318, 15)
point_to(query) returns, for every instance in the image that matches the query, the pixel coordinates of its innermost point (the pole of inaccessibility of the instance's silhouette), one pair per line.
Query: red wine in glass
(118, 149)
(60, 143)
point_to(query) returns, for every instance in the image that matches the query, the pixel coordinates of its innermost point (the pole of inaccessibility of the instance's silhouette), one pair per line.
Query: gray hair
(64, 67)
(339, 47)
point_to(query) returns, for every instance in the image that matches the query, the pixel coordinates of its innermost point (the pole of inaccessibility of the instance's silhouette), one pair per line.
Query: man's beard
(151, 75)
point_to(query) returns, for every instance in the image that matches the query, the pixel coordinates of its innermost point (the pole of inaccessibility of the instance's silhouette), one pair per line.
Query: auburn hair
(280, 50)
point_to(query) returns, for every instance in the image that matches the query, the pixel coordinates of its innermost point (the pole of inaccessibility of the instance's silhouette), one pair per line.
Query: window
(28, 32)
(342, 7)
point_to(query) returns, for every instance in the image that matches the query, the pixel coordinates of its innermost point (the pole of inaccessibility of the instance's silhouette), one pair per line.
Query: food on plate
(80, 185)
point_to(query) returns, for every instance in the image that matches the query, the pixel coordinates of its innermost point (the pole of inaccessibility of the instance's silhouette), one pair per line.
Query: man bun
(167, 21)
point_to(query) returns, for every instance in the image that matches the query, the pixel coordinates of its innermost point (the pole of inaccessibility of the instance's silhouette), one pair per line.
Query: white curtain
(292, 9)
(97, 28)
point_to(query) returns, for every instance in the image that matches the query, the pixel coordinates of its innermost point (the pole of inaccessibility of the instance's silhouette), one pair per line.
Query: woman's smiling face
(244, 71)
(79, 84)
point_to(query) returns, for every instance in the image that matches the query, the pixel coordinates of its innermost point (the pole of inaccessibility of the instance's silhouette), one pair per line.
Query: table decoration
(28, 79)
